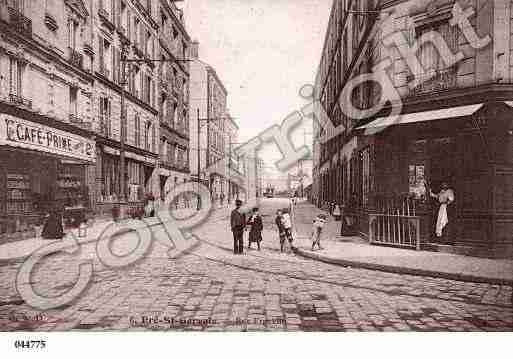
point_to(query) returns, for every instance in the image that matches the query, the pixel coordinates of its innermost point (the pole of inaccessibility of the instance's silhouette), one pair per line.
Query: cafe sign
(21, 133)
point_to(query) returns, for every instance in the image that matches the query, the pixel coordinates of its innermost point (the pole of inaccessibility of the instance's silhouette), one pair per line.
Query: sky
(264, 51)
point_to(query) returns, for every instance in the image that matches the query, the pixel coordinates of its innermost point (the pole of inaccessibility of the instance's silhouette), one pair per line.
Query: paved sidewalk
(18, 250)
(354, 252)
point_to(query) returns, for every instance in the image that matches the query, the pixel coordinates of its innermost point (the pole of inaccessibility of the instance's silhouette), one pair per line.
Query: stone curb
(404, 270)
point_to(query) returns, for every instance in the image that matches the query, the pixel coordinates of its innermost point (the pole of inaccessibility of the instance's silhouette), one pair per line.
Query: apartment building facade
(455, 123)
(47, 146)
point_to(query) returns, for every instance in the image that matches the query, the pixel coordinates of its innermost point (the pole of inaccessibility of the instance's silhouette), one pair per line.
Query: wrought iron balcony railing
(20, 22)
(20, 100)
(440, 80)
(76, 58)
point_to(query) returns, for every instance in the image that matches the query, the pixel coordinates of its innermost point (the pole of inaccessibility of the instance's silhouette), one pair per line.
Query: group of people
(253, 223)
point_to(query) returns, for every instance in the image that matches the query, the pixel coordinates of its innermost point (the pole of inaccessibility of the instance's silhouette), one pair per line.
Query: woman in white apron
(445, 197)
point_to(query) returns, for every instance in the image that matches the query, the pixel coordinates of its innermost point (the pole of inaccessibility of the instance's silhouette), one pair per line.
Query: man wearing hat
(238, 223)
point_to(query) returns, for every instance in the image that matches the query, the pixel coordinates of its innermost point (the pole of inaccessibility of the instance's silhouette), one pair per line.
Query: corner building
(455, 125)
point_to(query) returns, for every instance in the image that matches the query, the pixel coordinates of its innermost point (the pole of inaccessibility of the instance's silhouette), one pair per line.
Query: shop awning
(442, 114)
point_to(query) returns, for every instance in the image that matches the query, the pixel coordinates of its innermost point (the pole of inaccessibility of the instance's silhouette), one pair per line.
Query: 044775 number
(30, 344)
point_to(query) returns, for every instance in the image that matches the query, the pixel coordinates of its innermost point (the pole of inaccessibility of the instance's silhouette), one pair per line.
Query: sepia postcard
(255, 166)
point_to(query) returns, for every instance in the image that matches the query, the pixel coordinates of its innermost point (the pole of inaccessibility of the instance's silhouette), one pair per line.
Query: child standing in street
(255, 233)
(318, 225)
(281, 229)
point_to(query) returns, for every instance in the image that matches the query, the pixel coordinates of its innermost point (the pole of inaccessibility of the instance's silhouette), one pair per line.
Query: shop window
(136, 82)
(148, 44)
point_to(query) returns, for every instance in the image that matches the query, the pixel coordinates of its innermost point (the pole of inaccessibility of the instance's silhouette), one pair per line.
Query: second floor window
(147, 135)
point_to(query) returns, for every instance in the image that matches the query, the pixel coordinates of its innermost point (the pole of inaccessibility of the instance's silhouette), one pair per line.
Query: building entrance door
(442, 168)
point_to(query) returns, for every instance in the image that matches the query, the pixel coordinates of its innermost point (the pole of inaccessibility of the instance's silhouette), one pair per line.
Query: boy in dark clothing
(281, 229)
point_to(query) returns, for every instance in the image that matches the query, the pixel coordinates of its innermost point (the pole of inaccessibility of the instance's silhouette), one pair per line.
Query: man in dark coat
(238, 223)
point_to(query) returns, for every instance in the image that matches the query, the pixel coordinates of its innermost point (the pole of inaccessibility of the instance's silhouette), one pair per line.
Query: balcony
(20, 100)
(105, 17)
(74, 119)
(440, 80)
(76, 58)
(20, 23)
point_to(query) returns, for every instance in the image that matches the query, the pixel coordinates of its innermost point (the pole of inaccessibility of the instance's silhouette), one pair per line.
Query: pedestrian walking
(238, 223)
(318, 225)
(336, 212)
(255, 232)
(287, 224)
(281, 229)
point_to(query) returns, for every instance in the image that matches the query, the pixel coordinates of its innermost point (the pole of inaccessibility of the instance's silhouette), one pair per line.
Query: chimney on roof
(195, 49)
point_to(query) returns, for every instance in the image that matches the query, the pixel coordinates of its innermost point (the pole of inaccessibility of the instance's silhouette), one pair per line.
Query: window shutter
(109, 116)
(115, 69)
(153, 138)
(128, 24)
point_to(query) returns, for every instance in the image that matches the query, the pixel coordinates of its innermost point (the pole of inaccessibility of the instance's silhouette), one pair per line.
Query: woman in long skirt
(255, 233)
(53, 225)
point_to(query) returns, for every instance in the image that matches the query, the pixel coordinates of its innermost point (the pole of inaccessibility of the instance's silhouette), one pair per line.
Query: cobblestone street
(211, 289)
